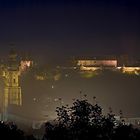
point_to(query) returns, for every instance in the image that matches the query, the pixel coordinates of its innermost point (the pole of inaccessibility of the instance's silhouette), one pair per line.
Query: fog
(112, 89)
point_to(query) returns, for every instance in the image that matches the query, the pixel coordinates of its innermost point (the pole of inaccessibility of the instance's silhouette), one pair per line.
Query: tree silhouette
(80, 122)
(85, 121)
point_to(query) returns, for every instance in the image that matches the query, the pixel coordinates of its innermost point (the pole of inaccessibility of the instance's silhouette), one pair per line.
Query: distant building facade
(11, 94)
(123, 64)
(12, 90)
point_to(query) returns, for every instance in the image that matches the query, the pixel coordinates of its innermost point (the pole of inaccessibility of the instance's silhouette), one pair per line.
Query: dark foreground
(81, 121)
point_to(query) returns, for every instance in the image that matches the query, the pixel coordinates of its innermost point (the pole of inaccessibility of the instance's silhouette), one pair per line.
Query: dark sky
(70, 27)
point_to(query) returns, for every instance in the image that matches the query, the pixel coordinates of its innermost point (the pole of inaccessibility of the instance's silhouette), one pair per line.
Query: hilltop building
(123, 64)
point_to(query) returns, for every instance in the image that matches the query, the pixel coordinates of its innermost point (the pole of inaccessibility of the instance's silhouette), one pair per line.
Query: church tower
(12, 90)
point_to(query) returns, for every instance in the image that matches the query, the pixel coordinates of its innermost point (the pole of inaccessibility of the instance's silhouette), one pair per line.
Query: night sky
(57, 29)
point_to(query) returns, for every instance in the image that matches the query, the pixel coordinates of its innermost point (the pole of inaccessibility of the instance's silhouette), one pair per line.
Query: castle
(122, 64)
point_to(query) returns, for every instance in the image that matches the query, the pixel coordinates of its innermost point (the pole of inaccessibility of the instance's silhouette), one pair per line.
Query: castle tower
(12, 90)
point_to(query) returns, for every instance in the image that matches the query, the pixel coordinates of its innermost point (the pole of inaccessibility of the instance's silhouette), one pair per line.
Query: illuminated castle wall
(96, 63)
(112, 64)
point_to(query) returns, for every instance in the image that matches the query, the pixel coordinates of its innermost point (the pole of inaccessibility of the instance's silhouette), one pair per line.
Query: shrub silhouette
(80, 122)
(84, 121)
(10, 131)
